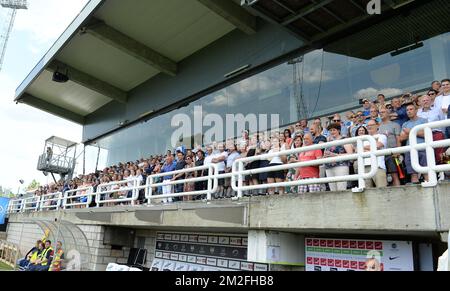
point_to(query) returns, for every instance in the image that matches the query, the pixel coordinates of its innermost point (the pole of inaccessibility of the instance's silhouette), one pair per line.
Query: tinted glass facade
(317, 84)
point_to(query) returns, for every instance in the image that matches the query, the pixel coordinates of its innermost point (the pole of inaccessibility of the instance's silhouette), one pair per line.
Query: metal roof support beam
(117, 39)
(305, 11)
(233, 13)
(51, 108)
(89, 81)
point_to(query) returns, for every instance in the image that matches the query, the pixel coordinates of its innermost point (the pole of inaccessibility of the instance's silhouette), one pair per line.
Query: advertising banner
(3, 208)
(352, 255)
(202, 252)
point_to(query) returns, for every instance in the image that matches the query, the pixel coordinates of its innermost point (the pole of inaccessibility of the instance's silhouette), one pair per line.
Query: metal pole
(84, 159)
(98, 156)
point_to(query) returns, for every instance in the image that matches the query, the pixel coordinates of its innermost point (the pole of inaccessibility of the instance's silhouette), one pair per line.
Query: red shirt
(312, 171)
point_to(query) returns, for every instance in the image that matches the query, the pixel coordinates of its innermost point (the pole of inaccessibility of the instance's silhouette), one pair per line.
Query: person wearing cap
(366, 108)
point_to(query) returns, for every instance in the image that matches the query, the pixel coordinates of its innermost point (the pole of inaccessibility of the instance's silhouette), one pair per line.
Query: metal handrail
(68, 199)
(34, 201)
(135, 192)
(238, 173)
(51, 198)
(212, 185)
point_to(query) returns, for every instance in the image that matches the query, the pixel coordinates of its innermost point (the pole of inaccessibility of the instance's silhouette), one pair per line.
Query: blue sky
(23, 129)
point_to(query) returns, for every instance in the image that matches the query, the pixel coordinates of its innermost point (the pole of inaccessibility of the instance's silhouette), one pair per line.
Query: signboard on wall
(351, 255)
(202, 252)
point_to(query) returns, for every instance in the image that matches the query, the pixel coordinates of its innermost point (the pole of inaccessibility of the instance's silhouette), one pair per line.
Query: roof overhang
(113, 46)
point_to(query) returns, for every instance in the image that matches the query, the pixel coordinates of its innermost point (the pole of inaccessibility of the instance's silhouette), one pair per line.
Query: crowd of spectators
(390, 122)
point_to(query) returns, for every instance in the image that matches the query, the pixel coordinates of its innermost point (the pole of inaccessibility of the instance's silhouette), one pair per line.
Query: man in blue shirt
(398, 114)
(413, 121)
(169, 166)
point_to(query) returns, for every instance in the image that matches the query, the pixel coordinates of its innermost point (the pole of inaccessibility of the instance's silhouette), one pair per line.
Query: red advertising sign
(330, 263)
(330, 243)
(369, 245)
(362, 265)
(338, 263)
(316, 242)
(309, 242)
(353, 244)
(316, 261)
(354, 265)
(361, 245)
(323, 243)
(337, 243)
(323, 262)
(309, 260)
(345, 244)
(346, 264)
(378, 245)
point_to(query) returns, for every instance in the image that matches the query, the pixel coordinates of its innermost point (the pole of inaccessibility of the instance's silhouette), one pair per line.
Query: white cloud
(371, 93)
(46, 20)
(24, 129)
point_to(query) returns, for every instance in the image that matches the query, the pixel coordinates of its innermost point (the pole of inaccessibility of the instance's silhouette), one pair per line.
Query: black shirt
(180, 166)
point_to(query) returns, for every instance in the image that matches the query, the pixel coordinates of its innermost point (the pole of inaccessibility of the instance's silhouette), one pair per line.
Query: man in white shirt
(380, 179)
(219, 158)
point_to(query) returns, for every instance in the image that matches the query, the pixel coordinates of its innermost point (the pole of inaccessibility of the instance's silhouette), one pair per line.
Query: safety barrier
(51, 201)
(15, 205)
(125, 192)
(9, 253)
(78, 197)
(31, 203)
(360, 155)
(128, 190)
(211, 178)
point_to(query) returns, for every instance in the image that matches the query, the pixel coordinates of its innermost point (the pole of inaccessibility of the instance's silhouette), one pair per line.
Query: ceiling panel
(96, 58)
(174, 28)
(70, 95)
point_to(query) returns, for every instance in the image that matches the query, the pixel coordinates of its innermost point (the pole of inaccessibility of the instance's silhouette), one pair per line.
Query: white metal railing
(122, 188)
(211, 178)
(239, 173)
(83, 197)
(78, 197)
(15, 205)
(31, 203)
(51, 201)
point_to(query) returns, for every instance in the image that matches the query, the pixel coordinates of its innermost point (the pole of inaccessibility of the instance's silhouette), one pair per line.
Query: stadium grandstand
(245, 135)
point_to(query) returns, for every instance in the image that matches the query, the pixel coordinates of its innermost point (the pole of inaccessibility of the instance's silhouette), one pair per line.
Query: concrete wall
(198, 72)
(412, 212)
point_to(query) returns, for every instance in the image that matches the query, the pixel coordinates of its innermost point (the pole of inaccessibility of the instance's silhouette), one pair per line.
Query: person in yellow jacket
(58, 258)
(44, 259)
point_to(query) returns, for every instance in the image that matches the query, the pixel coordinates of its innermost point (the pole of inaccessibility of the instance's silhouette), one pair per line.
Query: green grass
(5, 267)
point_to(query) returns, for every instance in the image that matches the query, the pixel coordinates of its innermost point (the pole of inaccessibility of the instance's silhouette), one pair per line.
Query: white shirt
(221, 164)
(440, 103)
(435, 113)
(208, 159)
(277, 160)
(381, 164)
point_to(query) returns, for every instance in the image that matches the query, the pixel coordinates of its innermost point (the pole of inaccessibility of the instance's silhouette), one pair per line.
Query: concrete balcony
(407, 210)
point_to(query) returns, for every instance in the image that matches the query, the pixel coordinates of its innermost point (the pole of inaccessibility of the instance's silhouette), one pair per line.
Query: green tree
(33, 185)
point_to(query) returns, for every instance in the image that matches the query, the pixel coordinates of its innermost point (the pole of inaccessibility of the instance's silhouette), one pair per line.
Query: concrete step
(2, 235)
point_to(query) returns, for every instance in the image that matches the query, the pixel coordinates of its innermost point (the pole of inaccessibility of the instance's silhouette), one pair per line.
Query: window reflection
(326, 83)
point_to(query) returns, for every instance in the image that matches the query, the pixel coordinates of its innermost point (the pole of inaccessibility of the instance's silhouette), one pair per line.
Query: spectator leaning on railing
(413, 121)
(392, 131)
(380, 178)
(309, 172)
(337, 168)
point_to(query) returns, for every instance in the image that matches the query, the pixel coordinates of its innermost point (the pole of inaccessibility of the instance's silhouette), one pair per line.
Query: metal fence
(127, 191)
